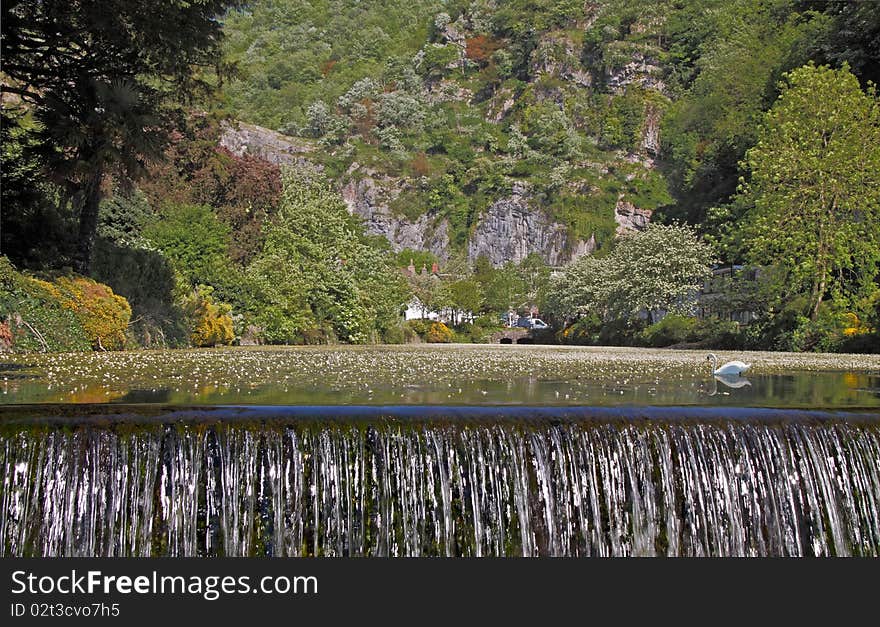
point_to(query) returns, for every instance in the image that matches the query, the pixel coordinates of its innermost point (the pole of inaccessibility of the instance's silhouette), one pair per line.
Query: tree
(658, 269)
(429, 289)
(318, 270)
(584, 288)
(97, 74)
(466, 296)
(194, 240)
(535, 275)
(814, 189)
(708, 129)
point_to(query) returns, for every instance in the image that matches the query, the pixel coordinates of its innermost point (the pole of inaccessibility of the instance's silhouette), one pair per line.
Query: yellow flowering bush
(103, 315)
(854, 326)
(439, 333)
(211, 323)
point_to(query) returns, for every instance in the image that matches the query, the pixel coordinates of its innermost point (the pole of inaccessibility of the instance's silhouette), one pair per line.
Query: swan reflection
(731, 381)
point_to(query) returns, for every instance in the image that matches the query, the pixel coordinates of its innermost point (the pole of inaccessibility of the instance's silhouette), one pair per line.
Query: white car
(531, 323)
(537, 323)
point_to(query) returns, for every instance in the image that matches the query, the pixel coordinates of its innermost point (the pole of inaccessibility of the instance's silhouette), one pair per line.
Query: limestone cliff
(513, 227)
(369, 194)
(511, 230)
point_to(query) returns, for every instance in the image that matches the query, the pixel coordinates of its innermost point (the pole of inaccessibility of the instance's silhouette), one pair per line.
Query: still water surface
(439, 375)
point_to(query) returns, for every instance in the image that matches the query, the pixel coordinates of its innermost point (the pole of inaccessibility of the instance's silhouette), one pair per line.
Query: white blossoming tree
(659, 269)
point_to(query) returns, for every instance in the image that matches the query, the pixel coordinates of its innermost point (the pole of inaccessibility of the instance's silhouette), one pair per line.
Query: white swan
(731, 367)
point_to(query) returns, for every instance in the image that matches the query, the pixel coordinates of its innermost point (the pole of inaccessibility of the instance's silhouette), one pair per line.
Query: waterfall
(397, 488)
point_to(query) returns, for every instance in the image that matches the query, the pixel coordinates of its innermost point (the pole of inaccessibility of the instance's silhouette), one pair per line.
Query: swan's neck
(714, 362)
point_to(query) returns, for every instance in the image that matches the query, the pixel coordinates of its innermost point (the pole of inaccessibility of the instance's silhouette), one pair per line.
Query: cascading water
(398, 488)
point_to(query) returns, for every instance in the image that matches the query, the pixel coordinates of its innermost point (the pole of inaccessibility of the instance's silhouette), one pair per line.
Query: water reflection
(452, 376)
(816, 390)
(730, 381)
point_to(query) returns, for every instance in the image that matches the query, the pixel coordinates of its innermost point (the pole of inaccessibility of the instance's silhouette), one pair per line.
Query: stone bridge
(513, 335)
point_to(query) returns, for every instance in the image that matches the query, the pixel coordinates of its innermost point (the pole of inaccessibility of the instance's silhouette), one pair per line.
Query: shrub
(861, 343)
(5, 337)
(584, 330)
(34, 316)
(716, 333)
(146, 280)
(211, 323)
(104, 316)
(394, 335)
(419, 327)
(438, 333)
(672, 329)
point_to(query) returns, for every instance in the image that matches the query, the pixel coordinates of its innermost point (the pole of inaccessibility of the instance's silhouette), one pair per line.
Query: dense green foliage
(318, 278)
(704, 112)
(98, 77)
(814, 186)
(293, 54)
(459, 104)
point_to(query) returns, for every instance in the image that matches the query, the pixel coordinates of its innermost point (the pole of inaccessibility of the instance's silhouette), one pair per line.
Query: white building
(415, 310)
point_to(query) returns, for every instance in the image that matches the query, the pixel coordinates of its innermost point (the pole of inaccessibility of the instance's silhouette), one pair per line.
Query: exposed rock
(369, 196)
(501, 103)
(556, 54)
(510, 230)
(641, 70)
(592, 11)
(651, 131)
(630, 218)
(453, 33)
(240, 138)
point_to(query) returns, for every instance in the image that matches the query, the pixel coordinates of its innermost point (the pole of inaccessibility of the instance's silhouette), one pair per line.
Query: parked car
(532, 323)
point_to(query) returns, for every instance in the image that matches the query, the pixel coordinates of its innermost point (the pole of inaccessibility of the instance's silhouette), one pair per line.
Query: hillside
(489, 129)
(510, 127)
(505, 144)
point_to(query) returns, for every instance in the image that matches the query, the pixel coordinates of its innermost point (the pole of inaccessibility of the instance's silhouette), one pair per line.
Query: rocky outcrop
(651, 131)
(511, 230)
(556, 54)
(630, 218)
(240, 138)
(500, 104)
(447, 91)
(508, 231)
(369, 196)
(642, 69)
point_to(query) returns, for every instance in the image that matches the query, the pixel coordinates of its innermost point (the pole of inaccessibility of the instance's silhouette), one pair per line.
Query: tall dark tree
(98, 75)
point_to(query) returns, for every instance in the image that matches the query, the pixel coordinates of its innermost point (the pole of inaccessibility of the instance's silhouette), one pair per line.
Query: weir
(406, 481)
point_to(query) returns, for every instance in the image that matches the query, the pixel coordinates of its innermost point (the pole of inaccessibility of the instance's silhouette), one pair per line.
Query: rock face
(642, 69)
(651, 132)
(240, 138)
(500, 104)
(447, 91)
(511, 230)
(630, 218)
(557, 55)
(368, 196)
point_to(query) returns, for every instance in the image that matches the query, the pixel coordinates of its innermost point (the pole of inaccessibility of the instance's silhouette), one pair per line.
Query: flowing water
(449, 451)
(605, 486)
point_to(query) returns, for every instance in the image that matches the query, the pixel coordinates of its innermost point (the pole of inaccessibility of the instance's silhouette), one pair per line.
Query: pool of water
(440, 375)
(438, 450)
